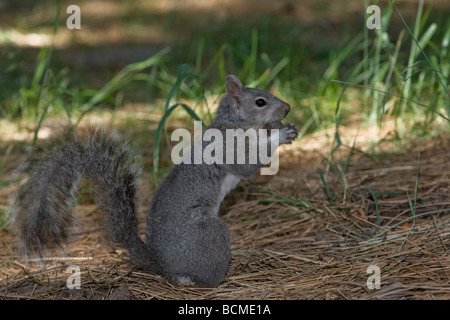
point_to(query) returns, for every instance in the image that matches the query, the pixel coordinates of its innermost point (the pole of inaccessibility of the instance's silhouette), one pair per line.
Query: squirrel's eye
(260, 102)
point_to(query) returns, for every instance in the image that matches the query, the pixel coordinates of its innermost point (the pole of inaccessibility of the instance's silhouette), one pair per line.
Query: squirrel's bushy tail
(41, 209)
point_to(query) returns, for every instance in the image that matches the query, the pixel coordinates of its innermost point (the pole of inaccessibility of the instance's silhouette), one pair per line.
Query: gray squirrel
(186, 240)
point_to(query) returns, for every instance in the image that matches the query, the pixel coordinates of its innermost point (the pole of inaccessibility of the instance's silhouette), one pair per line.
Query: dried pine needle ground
(289, 240)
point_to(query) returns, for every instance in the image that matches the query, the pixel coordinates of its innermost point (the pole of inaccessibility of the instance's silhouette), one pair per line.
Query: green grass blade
(440, 73)
(183, 73)
(377, 209)
(124, 77)
(417, 181)
(325, 186)
(159, 130)
(426, 37)
(394, 95)
(43, 72)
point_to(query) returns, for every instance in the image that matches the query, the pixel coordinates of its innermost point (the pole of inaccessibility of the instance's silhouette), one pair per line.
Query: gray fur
(185, 238)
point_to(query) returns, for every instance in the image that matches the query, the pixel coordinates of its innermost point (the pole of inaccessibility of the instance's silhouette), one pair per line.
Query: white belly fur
(228, 183)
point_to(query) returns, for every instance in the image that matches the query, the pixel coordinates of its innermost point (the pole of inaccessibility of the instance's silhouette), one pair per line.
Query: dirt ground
(288, 240)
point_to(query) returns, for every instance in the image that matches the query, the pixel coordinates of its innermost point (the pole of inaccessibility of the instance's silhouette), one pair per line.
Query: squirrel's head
(253, 105)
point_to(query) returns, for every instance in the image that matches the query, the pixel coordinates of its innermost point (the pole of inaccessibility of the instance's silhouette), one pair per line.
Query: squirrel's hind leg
(198, 251)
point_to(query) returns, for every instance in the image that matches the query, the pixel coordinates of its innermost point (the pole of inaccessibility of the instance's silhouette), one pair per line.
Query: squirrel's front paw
(288, 133)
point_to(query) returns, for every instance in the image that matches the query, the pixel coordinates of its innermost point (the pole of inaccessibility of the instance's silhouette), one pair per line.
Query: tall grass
(385, 75)
(385, 65)
(407, 85)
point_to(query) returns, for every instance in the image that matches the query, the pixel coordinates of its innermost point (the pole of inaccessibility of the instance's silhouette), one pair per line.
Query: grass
(388, 69)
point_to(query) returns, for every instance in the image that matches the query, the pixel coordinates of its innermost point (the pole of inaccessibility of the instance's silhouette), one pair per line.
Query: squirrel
(185, 239)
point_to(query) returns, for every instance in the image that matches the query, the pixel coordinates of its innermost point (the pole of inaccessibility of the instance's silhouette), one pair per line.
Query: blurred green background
(149, 55)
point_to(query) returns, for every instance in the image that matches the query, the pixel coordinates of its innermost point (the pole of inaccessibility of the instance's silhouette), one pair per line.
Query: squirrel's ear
(234, 87)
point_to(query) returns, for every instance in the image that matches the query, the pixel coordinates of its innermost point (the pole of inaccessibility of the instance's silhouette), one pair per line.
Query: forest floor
(289, 239)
